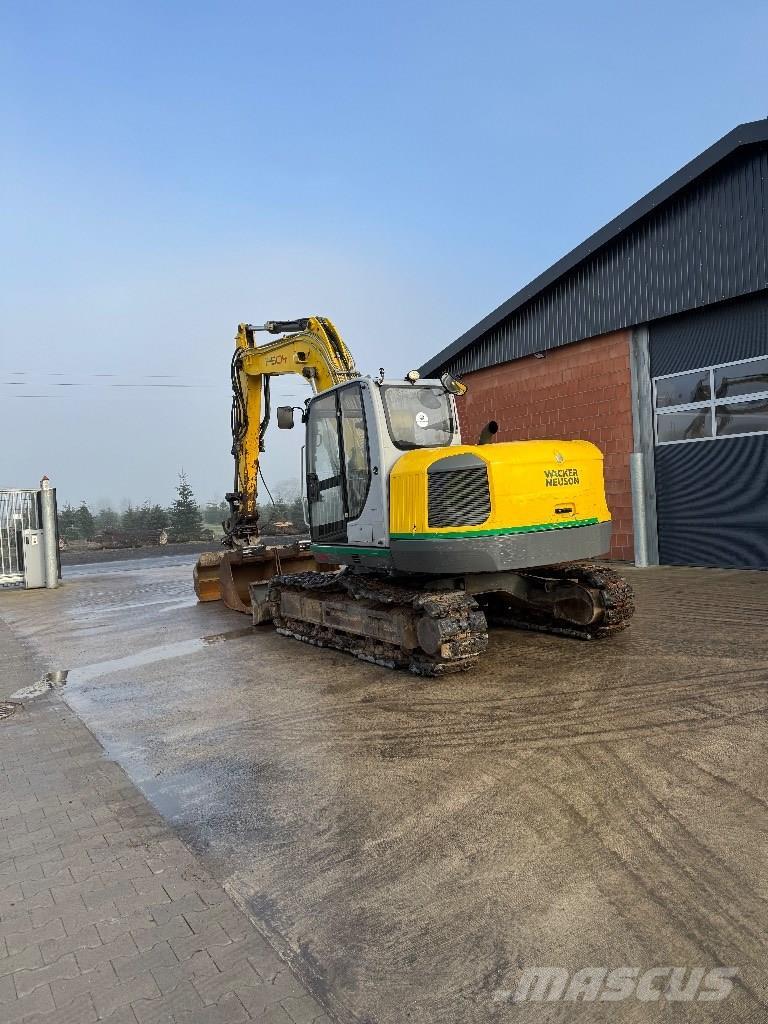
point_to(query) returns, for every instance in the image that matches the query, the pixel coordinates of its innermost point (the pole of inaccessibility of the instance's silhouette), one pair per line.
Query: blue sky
(170, 169)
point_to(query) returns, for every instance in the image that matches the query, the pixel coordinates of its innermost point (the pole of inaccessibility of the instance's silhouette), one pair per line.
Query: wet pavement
(410, 845)
(105, 915)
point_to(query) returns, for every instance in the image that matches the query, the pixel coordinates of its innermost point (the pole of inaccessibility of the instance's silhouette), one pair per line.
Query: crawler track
(431, 632)
(616, 595)
(427, 632)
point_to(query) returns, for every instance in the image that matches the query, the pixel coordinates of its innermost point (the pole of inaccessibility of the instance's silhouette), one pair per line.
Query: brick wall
(578, 391)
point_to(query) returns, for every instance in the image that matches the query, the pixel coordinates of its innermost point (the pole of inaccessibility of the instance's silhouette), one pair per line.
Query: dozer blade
(227, 575)
(206, 576)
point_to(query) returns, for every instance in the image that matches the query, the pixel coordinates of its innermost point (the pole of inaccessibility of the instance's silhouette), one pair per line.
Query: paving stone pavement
(105, 915)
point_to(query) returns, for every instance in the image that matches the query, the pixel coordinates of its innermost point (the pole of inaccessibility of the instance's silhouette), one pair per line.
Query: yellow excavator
(417, 540)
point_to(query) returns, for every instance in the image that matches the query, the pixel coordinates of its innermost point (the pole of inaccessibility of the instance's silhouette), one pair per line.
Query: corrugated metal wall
(712, 503)
(707, 244)
(721, 334)
(712, 496)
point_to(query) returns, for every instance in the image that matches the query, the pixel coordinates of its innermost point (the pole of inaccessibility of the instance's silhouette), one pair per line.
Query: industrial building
(651, 337)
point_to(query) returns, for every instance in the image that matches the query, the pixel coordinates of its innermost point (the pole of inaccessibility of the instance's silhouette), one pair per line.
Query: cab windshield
(417, 417)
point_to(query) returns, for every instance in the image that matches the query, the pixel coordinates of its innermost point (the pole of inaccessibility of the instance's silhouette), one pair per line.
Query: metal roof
(602, 284)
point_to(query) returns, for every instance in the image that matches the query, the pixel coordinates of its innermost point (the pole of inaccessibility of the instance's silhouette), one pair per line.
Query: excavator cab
(390, 485)
(356, 432)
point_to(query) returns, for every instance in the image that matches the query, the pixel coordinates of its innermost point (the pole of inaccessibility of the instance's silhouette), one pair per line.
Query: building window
(727, 400)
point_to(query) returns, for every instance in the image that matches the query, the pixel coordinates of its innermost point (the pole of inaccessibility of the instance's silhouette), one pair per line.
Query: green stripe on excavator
(346, 549)
(500, 531)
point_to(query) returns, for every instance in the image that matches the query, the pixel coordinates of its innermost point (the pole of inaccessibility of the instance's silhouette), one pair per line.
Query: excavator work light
(453, 385)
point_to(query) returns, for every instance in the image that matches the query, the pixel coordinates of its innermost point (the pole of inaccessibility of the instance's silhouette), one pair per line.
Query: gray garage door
(710, 388)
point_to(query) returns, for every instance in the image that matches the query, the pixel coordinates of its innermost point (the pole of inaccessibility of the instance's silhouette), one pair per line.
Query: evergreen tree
(68, 523)
(296, 514)
(106, 519)
(148, 518)
(155, 517)
(186, 522)
(129, 521)
(278, 513)
(215, 513)
(86, 527)
(76, 523)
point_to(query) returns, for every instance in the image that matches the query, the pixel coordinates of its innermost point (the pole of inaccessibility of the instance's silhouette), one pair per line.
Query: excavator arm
(312, 348)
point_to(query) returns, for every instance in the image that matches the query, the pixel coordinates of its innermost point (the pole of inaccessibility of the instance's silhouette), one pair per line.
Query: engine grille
(460, 497)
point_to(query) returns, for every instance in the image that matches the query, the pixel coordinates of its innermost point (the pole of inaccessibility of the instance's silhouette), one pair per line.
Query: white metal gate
(19, 511)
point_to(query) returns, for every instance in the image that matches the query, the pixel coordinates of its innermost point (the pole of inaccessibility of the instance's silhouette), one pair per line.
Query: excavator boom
(314, 349)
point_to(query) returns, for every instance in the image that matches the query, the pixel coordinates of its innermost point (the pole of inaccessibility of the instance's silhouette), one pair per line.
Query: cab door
(326, 499)
(338, 463)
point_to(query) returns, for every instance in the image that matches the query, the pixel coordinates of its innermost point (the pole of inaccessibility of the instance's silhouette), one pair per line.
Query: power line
(87, 384)
(83, 373)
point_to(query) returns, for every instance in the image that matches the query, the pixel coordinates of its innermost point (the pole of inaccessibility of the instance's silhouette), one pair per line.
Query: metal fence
(19, 511)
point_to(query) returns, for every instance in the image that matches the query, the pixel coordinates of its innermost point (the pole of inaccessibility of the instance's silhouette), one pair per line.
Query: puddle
(48, 682)
(162, 605)
(163, 652)
(231, 634)
(84, 674)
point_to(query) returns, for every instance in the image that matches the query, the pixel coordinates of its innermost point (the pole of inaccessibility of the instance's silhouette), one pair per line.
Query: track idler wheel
(578, 599)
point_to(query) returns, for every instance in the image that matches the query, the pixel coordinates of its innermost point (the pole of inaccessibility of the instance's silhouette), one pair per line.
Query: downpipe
(639, 509)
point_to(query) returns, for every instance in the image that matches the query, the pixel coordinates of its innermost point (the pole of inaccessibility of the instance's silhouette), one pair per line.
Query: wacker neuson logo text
(603, 984)
(561, 477)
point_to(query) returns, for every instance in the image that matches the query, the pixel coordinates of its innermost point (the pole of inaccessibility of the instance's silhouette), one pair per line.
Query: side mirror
(285, 417)
(453, 385)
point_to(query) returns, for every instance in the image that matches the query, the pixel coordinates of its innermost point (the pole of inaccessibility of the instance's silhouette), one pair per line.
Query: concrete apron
(412, 846)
